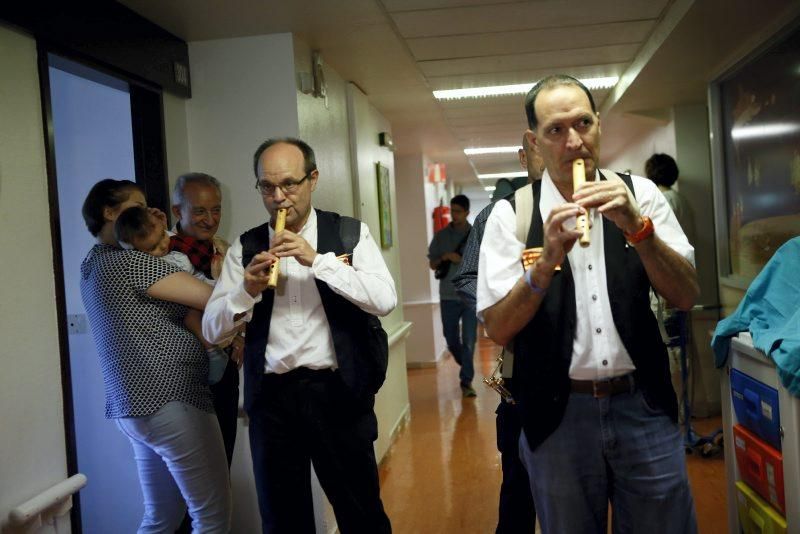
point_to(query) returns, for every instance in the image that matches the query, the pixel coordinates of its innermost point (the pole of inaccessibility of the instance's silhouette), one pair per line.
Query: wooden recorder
(274, 269)
(582, 221)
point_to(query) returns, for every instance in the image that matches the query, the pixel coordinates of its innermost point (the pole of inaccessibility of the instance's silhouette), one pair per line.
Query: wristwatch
(646, 231)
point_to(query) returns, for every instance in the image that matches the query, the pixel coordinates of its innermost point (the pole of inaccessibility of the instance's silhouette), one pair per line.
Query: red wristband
(646, 231)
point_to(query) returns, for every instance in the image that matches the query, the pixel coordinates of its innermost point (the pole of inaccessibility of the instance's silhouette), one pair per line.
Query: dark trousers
(226, 405)
(517, 512)
(225, 395)
(304, 417)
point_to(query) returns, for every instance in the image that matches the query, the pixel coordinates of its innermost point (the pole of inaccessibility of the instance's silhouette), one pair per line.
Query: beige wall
(391, 405)
(31, 410)
(176, 137)
(684, 137)
(415, 200)
(323, 124)
(643, 137)
(243, 93)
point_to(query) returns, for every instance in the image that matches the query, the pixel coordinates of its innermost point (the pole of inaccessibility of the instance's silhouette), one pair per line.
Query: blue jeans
(181, 460)
(615, 449)
(461, 347)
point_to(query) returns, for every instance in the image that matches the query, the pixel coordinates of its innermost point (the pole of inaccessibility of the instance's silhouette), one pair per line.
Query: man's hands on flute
(256, 274)
(286, 243)
(613, 200)
(671, 275)
(558, 239)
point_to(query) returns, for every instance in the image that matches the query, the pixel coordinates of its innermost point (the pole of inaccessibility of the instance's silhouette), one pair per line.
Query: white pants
(181, 461)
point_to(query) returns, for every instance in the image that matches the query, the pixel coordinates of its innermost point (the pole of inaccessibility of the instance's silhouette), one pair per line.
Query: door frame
(149, 152)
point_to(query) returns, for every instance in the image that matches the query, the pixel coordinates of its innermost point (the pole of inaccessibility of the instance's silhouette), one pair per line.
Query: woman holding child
(155, 371)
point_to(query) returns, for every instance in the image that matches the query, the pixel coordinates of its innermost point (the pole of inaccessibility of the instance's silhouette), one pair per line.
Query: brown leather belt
(604, 388)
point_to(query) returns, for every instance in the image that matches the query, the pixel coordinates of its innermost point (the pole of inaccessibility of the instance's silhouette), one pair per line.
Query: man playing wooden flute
(590, 369)
(315, 354)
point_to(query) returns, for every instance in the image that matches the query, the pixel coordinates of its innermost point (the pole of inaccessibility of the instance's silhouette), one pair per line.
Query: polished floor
(442, 475)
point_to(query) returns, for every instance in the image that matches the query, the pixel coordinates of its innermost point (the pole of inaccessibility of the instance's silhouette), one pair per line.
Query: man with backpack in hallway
(315, 354)
(444, 255)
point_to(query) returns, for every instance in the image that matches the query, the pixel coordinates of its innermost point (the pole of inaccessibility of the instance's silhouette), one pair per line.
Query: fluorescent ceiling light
(764, 130)
(496, 175)
(518, 89)
(492, 150)
(489, 188)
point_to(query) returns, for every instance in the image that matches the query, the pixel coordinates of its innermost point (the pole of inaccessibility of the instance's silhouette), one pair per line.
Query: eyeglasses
(287, 188)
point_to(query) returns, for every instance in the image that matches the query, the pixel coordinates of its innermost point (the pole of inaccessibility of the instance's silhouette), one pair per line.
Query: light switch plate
(76, 324)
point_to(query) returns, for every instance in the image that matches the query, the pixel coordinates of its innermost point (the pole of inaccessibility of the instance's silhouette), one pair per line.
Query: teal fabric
(770, 310)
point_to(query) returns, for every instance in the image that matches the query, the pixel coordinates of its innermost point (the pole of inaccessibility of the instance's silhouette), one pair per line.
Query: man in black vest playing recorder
(311, 371)
(590, 370)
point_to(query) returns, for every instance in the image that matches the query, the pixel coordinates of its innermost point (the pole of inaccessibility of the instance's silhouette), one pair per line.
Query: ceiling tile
(541, 40)
(523, 16)
(394, 6)
(556, 59)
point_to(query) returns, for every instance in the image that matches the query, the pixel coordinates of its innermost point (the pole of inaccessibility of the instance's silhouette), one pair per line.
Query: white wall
(32, 441)
(391, 404)
(415, 200)
(693, 155)
(176, 138)
(684, 137)
(414, 230)
(243, 92)
(323, 124)
(642, 136)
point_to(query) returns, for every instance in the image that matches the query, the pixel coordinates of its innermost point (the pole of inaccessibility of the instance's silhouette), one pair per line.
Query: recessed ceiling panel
(541, 60)
(484, 111)
(515, 16)
(541, 40)
(394, 6)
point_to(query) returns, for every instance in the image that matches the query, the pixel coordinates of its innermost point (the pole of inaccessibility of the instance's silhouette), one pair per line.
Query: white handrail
(400, 332)
(59, 496)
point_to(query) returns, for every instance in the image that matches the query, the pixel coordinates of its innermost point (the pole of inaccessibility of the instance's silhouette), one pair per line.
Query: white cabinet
(750, 361)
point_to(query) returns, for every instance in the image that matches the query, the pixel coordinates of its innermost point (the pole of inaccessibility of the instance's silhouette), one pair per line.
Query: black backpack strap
(349, 234)
(254, 241)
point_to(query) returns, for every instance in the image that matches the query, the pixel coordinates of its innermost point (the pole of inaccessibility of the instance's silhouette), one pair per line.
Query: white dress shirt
(597, 352)
(299, 334)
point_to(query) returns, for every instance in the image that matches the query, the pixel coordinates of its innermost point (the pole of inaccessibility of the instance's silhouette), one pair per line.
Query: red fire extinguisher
(441, 217)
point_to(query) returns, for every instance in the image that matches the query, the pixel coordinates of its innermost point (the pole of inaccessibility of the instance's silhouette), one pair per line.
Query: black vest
(355, 332)
(543, 348)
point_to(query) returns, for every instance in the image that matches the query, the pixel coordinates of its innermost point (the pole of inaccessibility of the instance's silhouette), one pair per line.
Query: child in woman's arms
(145, 230)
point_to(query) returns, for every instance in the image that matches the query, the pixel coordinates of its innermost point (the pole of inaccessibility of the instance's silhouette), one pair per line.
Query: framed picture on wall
(385, 204)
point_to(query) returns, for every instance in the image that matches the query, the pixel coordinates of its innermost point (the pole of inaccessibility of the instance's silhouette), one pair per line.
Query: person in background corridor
(444, 255)
(663, 171)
